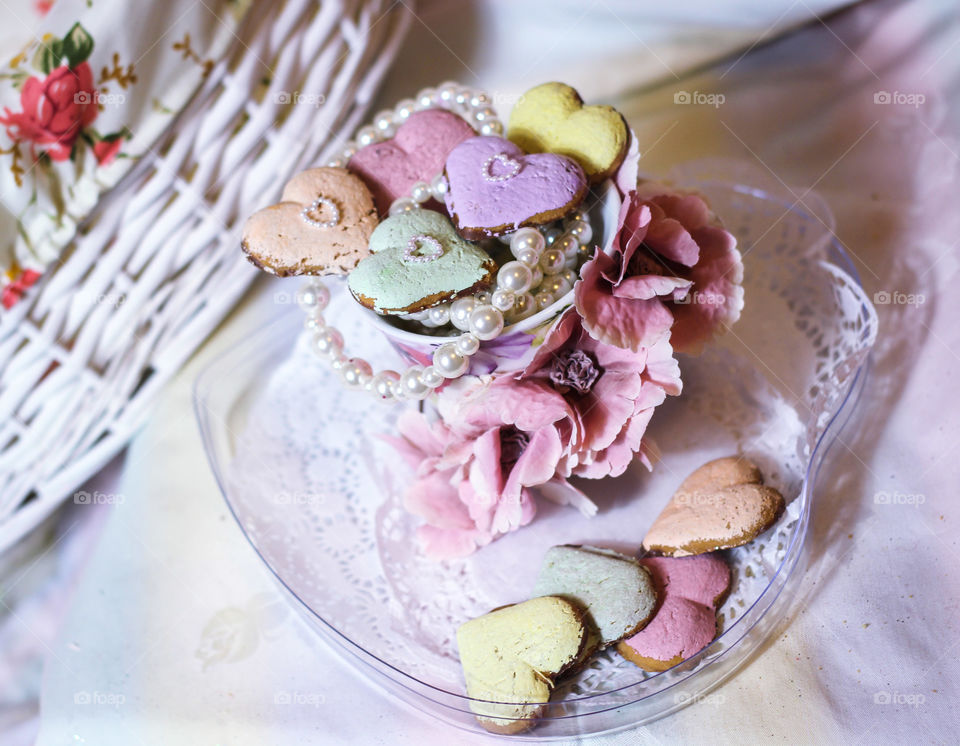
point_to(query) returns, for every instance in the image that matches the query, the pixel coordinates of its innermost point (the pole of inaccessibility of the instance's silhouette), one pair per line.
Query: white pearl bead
(479, 100)
(439, 315)
(569, 276)
(339, 361)
(460, 311)
(329, 342)
(349, 150)
(551, 261)
(306, 298)
(529, 258)
(366, 136)
(446, 91)
(552, 235)
(383, 121)
(431, 377)
(449, 362)
(462, 96)
(515, 277)
(411, 385)
(523, 306)
(483, 297)
(486, 322)
(335, 163)
(492, 127)
(314, 323)
(503, 300)
(402, 205)
(526, 239)
(355, 372)
(552, 285)
(582, 231)
(421, 192)
(567, 244)
(405, 108)
(537, 278)
(426, 98)
(543, 300)
(382, 383)
(468, 344)
(439, 186)
(485, 115)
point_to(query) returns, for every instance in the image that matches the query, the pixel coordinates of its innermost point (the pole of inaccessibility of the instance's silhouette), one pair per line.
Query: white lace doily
(319, 495)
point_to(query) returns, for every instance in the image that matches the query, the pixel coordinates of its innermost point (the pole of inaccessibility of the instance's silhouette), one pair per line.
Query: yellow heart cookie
(552, 118)
(511, 656)
(721, 505)
(322, 225)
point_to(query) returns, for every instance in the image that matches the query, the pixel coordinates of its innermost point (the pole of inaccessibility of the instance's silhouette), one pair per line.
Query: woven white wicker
(157, 265)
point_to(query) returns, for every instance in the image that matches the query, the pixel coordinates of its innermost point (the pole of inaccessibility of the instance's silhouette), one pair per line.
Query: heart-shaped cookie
(417, 260)
(495, 188)
(511, 656)
(690, 589)
(416, 153)
(552, 118)
(722, 504)
(616, 593)
(321, 226)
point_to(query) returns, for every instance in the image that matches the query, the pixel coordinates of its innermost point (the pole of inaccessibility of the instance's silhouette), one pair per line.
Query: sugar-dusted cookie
(495, 188)
(722, 504)
(418, 261)
(321, 226)
(616, 592)
(513, 654)
(552, 118)
(416, 153)
(690, 589)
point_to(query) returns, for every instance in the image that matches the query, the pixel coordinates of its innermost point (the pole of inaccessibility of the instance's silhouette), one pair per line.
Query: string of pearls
(542, 271)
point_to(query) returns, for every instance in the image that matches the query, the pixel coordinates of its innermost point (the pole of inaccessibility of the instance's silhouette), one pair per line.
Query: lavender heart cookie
(496, 188)
(321, 226)
(416, 153)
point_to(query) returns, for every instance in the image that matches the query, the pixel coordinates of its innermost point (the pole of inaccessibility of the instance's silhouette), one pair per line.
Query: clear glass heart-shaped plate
(318, 494)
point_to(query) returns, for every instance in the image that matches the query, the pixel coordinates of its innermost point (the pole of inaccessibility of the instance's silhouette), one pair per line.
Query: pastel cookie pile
(721, 505)
(512, 655)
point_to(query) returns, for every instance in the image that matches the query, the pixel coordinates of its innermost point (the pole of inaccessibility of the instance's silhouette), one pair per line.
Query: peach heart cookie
(614, 590)
(722, 504)
(417, 260)
(416, 153)
(690, 590)
(320, 227)
(552, 118)
(511, 656)
(493, 187)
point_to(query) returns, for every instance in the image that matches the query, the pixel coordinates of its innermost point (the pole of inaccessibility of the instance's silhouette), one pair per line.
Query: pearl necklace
(543, 269)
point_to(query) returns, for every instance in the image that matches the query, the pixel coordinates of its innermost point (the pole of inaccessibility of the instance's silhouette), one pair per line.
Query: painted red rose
(106, 150)
(15, 290)
(55, 110)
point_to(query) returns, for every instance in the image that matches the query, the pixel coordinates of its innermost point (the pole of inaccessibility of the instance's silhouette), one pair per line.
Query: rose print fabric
(80, 101)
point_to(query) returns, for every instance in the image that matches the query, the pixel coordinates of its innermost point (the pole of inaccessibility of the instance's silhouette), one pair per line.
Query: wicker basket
(157, 265)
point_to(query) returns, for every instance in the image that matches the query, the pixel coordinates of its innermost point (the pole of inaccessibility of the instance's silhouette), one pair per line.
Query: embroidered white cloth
(86, 88)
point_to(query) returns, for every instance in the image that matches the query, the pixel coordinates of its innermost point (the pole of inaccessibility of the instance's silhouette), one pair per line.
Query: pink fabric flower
(55, 110)
(673, 273)
(495, 439)
(612, 392)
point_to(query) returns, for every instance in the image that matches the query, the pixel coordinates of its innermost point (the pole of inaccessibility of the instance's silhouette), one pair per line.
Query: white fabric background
(173, 613)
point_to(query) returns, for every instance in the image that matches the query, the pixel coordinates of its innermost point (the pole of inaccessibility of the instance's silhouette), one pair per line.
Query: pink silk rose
(611, 390)
(55, 110)
(673, 273)
(494, 440)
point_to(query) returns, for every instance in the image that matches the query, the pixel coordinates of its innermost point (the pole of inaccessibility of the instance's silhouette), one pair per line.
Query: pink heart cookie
(495, 188)
(690, 590)
(416, 153)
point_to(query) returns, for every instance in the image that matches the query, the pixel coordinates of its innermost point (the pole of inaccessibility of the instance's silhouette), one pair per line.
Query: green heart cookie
(417, 261)
(552, 118)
